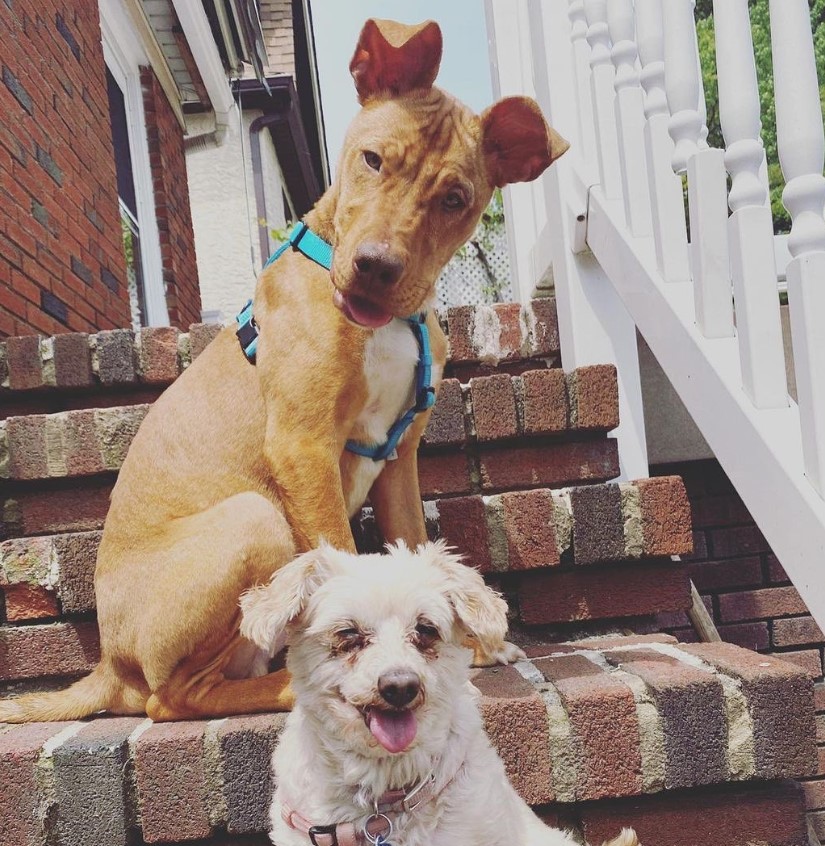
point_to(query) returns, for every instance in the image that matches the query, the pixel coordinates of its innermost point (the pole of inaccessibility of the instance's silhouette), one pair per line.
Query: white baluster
(666, 203)
(801, 146)
(703, 106)
(682, 79)
(651, 55)
(750, 226)
(630, 116)
(581, 71)
(707, 181)
(739, 103)
(601, 80)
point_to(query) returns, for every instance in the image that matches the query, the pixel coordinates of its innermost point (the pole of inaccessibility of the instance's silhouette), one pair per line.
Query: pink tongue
(394, 730)
(361, 311)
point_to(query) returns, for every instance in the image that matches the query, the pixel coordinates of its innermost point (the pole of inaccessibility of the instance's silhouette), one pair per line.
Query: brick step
(630, 528)
(508, 533)
(43, 375)
(89, 454)
(79, 502)
(490, 410)
(602, 732)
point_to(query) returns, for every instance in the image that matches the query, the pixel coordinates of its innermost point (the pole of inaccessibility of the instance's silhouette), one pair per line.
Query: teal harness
(305, 241)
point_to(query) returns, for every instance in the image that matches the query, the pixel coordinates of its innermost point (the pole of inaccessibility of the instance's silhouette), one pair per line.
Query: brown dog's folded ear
(480, 610)
(518, 143)
(268, 610)
(395, 58)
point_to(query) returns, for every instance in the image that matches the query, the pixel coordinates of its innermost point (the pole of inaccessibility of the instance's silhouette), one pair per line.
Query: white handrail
(681, 297)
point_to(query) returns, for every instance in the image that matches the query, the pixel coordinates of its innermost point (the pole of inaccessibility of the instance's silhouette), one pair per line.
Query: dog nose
(399, 687)
(373, 262)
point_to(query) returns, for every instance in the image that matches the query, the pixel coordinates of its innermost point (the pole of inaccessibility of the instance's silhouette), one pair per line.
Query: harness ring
(378, 838)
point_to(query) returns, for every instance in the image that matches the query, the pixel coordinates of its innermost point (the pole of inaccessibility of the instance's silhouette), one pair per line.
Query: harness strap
(340, 834)
(300, 238)
(424, 397)
(377, 827)
(303, 239)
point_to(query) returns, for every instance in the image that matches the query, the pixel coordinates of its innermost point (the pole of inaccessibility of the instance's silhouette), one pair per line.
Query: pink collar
(378, 827)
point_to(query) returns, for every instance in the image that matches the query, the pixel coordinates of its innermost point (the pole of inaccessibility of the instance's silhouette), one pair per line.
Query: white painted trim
(157, 59)
(594, 327)
(198, 34)
(316, 91)
(124, 56)
(759, 449)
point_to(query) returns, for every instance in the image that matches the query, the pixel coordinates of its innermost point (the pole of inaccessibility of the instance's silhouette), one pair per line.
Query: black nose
(374, 263)
(399, 687)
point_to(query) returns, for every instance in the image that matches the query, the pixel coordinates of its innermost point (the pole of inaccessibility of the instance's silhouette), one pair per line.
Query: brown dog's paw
(626, 838)
(508, 653)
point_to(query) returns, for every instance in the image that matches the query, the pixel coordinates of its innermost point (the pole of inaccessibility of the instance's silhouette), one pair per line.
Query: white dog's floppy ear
(267, 610)
(481, 611)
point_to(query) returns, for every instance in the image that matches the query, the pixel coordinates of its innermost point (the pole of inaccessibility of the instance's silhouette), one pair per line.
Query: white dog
(386, 743)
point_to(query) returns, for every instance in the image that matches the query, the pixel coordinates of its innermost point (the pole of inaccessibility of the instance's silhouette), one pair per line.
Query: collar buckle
(330, 831)
(407, 804)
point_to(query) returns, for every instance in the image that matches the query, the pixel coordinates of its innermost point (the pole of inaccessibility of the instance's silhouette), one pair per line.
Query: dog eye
(373, 160)
(349, 639)
(426, 635)
(454, 200)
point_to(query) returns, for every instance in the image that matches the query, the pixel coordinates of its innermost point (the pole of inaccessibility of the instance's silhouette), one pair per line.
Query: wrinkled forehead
(422, 130)
(378, 591)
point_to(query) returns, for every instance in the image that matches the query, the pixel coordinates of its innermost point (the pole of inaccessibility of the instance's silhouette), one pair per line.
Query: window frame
(124, 57)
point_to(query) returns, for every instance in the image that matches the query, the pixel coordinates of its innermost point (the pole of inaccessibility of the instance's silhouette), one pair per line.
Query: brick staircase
(607, 723)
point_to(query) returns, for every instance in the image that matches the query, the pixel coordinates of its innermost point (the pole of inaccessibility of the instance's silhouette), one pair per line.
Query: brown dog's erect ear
(481, 611)
(518, 143)
(395, 58)
(268, 610)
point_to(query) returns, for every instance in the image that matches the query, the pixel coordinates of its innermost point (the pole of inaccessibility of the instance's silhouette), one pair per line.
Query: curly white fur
(328, 766)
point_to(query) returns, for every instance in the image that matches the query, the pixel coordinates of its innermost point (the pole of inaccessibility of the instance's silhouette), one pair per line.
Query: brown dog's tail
(91, 693)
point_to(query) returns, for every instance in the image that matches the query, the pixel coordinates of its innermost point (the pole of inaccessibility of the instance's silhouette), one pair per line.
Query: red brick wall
(61, 252)
(751, 597)
(177, 240)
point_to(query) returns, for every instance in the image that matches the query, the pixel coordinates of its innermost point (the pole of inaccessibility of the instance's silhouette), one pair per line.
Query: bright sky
(465, 67)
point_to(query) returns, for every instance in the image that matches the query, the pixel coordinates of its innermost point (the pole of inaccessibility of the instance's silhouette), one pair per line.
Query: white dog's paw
(509, 653)
(626, 838)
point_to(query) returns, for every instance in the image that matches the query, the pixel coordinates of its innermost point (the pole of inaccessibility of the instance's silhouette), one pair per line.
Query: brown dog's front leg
(308, 479)
(396, 495)
(305, 417)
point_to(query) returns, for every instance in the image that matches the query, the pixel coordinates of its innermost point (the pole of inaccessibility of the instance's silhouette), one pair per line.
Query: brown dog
(238, 466)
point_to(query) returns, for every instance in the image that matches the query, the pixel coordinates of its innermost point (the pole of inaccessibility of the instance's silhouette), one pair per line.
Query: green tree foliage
(761, 32)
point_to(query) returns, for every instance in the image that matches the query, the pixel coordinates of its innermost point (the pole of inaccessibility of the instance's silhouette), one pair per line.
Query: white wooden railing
(621, 80)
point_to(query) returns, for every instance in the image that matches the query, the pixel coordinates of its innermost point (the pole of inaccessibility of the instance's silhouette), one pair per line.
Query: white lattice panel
(467, 281)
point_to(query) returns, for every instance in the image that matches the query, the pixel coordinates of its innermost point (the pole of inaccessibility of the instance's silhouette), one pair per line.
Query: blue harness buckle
(247, 332)
(426, 398)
